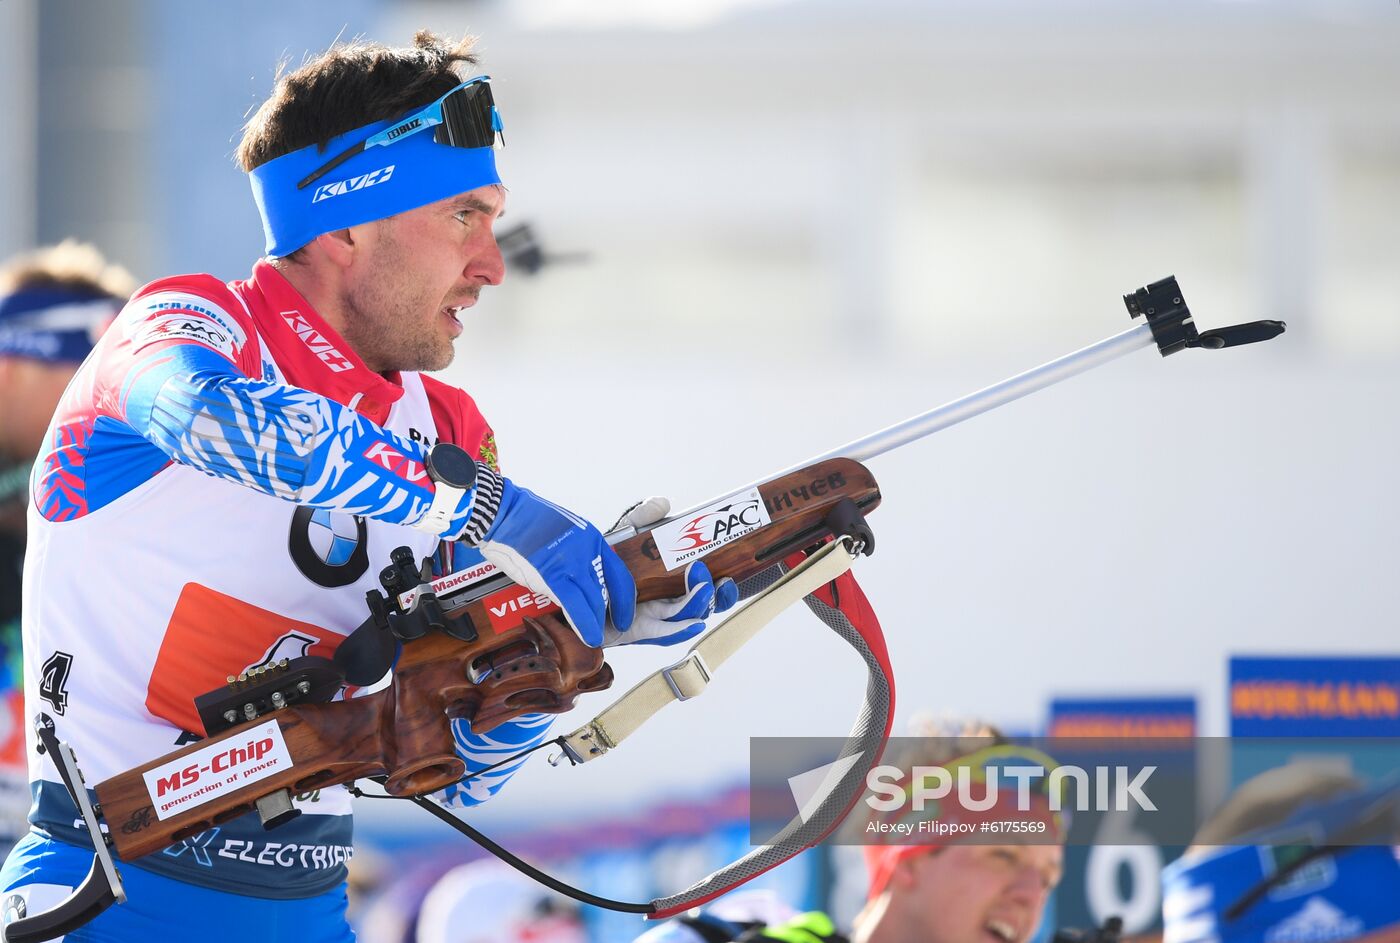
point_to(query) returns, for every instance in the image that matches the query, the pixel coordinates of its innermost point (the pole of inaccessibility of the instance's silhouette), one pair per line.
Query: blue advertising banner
(1354, 703)
(1122, 717)
(1119, 875)
(1314, 697)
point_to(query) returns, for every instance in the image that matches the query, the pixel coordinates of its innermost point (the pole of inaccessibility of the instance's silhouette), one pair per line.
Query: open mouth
(1001, 931)
(451, 314)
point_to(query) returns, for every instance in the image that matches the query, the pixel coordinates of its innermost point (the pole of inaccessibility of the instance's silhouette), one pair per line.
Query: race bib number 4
(207, 773)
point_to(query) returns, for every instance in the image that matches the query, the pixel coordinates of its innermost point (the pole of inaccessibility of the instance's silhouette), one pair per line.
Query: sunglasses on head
(464, 117)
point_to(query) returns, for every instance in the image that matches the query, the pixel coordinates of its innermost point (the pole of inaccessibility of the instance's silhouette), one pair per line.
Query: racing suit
(219, 488)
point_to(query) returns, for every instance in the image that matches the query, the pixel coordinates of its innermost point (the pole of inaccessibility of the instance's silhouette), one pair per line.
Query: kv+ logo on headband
(362, 182)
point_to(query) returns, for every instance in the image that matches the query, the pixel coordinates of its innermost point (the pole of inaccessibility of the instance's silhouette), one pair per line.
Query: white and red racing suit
(221, 484)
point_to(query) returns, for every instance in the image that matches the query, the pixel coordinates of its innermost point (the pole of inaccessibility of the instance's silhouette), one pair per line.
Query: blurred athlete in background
(489, 902)
(54, 304)
(924, 893)
(1303, 853)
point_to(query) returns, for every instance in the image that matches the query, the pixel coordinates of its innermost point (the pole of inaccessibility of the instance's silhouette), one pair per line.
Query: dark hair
(348, 86)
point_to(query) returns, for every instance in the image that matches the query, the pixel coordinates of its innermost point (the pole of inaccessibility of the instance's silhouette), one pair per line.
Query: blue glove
(550, 550)
(670, 621)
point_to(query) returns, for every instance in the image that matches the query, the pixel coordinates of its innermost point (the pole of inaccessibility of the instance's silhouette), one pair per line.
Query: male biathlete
(231, 467)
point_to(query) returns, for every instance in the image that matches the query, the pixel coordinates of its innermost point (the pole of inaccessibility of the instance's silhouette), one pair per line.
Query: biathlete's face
(980, 893)
(30, 390)
(413, 275)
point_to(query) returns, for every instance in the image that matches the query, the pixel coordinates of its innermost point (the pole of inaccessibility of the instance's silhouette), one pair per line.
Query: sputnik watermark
(1114, 788)
(1078, 791)
(937, 829)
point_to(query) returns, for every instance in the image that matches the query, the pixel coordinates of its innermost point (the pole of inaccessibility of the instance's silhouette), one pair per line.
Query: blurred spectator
(54, 304)
(1298, 854)
(728, 918)
(925, 893)
(365, 876)
(488, 902)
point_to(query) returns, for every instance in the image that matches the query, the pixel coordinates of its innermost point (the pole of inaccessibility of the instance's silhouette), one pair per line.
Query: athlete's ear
(905, 874)
(339, 245)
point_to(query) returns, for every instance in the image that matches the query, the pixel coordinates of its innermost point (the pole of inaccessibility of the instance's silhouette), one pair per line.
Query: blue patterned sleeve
(195, 406)
(482, 750)
(486, 749)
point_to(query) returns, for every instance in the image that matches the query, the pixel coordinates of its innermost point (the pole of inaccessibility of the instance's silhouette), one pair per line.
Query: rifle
(488, 651)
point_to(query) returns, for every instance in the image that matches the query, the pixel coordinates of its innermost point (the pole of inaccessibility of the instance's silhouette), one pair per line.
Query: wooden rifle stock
(528, 664)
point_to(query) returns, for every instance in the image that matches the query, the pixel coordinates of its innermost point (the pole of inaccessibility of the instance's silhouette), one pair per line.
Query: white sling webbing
(688, 677)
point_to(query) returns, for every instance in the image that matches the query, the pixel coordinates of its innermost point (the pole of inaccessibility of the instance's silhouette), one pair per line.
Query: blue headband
(1344, 894)
(56, 325)
(375, 183)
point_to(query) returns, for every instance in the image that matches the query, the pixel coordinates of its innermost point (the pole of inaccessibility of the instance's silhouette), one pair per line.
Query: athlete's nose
(487, 266)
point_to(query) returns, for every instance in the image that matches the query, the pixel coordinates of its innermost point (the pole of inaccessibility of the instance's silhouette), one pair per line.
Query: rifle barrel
(966, 407)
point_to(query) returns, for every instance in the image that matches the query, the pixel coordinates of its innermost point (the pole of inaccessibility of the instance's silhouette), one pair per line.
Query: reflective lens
(464, 117)
(469, 116)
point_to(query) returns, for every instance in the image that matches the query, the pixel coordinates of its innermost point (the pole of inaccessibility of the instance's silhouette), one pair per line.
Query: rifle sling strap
(689, 677)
